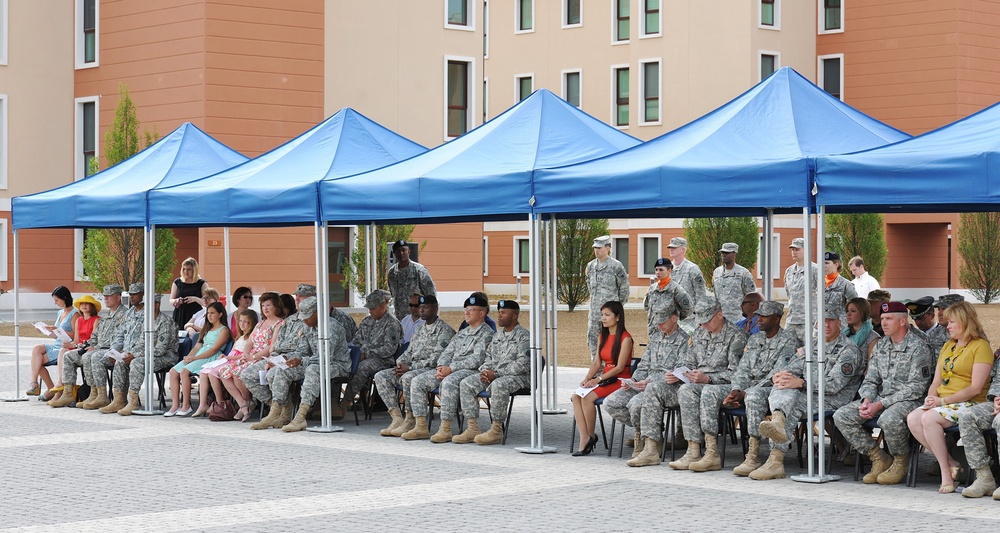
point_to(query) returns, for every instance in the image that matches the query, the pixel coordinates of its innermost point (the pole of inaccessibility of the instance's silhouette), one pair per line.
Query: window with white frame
(486, 255)
(524, 16)
(459, 14)
(770, 14)
(650, 91)
(649, 252)
(458, 97)
(88, 40)
(768, 63)
(3, 32)
(831, 74)
(84, 161)
(831, 16)
(622, 21)
(775, 256)
(619, 250)
(651, 20)
(572, 13)
(620, 83)
(523, 86)
(522, 256)
(3, 142)
(571, 87)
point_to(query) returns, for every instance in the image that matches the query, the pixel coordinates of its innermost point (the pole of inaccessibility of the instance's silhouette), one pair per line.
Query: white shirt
(864, 284)
(409, 327)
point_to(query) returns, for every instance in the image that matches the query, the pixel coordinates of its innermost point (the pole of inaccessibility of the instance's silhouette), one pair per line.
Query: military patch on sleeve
(926, 372)
(847, 369)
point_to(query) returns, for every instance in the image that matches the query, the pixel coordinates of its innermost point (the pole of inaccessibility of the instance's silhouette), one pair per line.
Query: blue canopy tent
(953, 168)
(116, 198)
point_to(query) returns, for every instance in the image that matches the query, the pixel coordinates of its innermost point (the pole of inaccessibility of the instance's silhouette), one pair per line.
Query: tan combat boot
(983, 485)
(774, 468)
(443, 433)
(419, 431)
(116, 405)
(299, 422)
(493, 436)
(692, 454)
(996, 494)
(64, 399)
(711, 459)
(650, 455)
(336, 413)
(752, 462)
(133, 404)
(896, 472)
(101, 400)
(639, 444)
(470, 433)
(90, 398)
(880, 463)
(397, 420)
(407, 424)
(273, 416)
(774, 428)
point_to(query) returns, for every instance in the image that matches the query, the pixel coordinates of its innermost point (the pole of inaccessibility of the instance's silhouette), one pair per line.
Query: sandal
(243, 414)
(34, 390)
(946, 489)
(47, 396)
(58, 388)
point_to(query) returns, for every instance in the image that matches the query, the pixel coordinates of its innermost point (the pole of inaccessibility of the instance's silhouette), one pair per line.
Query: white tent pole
(17, 325)
(369, 287)
(149, 338)
(552, 362)
(225, 248)
(767, 286)
(323, 327)
(373, 254)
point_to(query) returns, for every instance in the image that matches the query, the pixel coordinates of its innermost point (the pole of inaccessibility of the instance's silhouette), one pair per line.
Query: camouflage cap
(305, 289)
(677, 242)
(879, 295)
(770, 308)
(602, 241)
(706, 308)
(137, 288)
(832, 311)
(307, 307)
(157, 297)
(798, 242)
(921, 306)
(376, 298)
(663, 314)
(948, 300)
(111, 290)
(730, 247)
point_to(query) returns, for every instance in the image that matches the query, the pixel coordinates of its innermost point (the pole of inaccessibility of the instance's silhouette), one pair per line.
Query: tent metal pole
(369, 287)
(225, 253)
(149, 286)
(17, 325)
(373, 254)
(323, 327)
(767, 285)
(552, 362)
(821, 366)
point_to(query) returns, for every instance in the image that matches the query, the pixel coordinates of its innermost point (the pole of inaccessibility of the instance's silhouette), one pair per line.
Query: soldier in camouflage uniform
(378, 336)
(943, 303)
(922, 313)
(762, 352)
(131, 337)
(971, 424)
(666, 351)
(795, 288)
(839, 291)
(845, 365)
(407, 277)
(285, 341)
(664, 296)
(731, 282)
(462, 358)
(346, 322)
(98, 344)
(505, 371)
(688, 276)
(899, 372)
(340, 359)
(607, 281)
(164, 354)
(420, 356)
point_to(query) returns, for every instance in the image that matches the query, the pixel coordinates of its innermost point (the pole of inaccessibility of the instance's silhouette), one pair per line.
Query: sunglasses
(414, 305)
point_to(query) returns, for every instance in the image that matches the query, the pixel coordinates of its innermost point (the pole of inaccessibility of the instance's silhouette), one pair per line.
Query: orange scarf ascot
(830, 278)
(664, 282)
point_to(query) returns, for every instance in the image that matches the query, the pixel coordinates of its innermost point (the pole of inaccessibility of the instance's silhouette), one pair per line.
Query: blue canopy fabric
(280, 186)
(953, 168)
(752, 154)
(116, 197)
(482, 175)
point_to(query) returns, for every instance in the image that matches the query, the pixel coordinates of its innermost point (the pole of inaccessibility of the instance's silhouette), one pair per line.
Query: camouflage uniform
(164, 352)
(898, 376)
(844, 371)
(340, 358)
(125, 337)
(978, 419)
(421, 356)
(379, 341)
(404, 282)
(665, 302)
(752, 376)
(689, 277)
(730, 288)
(509, 359)
(464, 355)
(285, 341)
(795, 288)
(607, 281)
(663, 354)
(280, 379)
(936, 337)
(839, 293)
(104, 335)
(346, 322)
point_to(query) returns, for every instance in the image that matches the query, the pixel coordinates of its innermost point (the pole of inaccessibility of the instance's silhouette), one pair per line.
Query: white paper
(114, 354)
(213, 364)
(263, 377)
(583, 391)
(278, 361)
(43, 327)
(628, 381)
(62, 335)
(679, 373)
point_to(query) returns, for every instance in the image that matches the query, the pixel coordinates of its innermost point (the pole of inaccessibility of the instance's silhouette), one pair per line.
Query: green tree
(115, 255)
(859, 234)
(979, 244)
(355, 276)
(706, 235)
(574, 250)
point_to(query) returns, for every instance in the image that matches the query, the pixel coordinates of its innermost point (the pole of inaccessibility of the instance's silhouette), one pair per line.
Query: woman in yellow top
(961, 379)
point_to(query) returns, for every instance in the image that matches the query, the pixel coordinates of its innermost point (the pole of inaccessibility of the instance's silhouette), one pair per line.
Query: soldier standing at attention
(406, 278)
(688, 276)
(664, 296)
(607, 281)
(732, 282)
(795, 288)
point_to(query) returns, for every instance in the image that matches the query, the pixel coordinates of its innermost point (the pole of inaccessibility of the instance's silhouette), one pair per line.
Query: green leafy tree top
(859, 235)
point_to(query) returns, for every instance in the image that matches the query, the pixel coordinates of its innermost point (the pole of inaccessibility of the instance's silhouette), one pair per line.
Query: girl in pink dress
(259, 347)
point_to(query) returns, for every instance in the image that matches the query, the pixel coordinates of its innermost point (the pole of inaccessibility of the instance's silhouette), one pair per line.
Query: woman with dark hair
(860, 329)
(614, 361)
(272, 313)
(43, 354)
(242, 299)
(288, 304)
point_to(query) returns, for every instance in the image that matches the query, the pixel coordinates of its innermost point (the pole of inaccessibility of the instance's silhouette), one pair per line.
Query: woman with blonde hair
(961, 378)
(185, 293)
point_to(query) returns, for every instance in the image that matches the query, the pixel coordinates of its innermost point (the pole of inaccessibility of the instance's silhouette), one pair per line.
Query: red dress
(85, 328)
(609, 365)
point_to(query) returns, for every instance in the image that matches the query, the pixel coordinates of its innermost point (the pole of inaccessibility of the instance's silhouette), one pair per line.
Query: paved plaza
(74, 470)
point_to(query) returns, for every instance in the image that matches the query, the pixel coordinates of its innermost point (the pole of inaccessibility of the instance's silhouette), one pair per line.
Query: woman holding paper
(88, 308)
(614, 361)
(214, 335)
(42, 354)
(961, 379)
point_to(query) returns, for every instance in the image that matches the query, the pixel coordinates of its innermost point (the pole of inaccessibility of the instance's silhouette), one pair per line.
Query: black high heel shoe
(588, 449)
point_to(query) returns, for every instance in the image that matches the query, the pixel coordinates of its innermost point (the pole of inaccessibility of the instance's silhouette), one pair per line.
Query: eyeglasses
(414, 305)
(247, 296)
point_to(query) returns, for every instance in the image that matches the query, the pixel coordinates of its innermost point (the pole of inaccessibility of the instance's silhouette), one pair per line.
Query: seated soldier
(461, 359)
(972, 423)
(280, 378)
(428, 341)
(378, 337)
(506, 370)
(286, 340)
(845, 365)
(164, 354)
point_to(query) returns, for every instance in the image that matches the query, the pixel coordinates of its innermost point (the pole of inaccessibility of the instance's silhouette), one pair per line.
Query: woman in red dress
(614, 361)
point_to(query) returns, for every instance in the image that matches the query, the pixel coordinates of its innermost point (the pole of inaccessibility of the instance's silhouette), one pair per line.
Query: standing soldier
(664, 296)
(407, 277)
(378, 336)
(795, 288)
(98, 345)
(164, 354)
(688, 276)
(505, 371)
(731, 282)
(607, 280)
(839, 291)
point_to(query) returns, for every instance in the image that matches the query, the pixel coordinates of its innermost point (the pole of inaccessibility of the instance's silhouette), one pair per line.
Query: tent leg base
(18, 399)
(554, 412)
(533, 450)
(147, 412)
(804, 478)
(325, 429)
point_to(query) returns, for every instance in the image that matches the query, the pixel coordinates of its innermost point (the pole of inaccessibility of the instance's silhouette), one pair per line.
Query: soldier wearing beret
(839, 291)
(731, 282)
(665, 295)
(688, 275)
(407, 277)
(607, 280)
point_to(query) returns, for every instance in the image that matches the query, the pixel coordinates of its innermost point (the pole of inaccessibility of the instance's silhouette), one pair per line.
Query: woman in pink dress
(260, 347)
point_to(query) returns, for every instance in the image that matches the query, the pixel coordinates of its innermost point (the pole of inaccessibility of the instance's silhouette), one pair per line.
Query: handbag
(221, 411)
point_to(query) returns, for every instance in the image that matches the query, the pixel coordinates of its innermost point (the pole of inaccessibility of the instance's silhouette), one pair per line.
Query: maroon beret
(893, 307)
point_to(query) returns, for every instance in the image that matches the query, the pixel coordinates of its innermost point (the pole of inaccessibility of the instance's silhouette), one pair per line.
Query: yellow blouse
(956, 366)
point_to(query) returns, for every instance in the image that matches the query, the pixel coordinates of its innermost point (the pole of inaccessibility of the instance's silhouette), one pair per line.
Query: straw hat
(87, 299)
